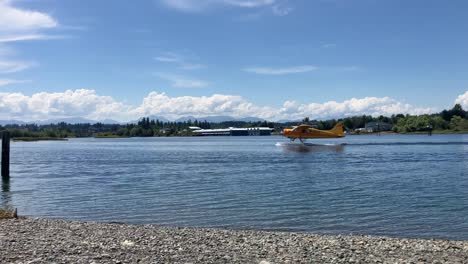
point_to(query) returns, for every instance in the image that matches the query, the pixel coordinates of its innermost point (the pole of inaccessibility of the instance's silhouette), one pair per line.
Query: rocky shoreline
(59, 241)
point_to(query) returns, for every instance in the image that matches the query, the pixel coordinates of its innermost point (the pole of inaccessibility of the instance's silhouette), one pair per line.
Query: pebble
(128, 243)
(34, 240)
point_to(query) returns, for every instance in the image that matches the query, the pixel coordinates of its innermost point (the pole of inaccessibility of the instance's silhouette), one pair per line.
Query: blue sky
(270, 58)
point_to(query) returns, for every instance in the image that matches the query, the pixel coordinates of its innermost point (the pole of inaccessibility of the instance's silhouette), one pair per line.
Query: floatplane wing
(306, 132)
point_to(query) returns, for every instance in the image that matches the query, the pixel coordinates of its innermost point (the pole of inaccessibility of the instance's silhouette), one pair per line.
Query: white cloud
(172, 107)
(463, 100)
(248, 3)
(24, 37)
(200, 5)
(279, 9)
(167, 58)
(88, 104)
(5, 82)
(300, 69)
(19, 24)
(186, 5)
(179, 60)
(14, 19)
(8, 66)
(181, 81)
(217, 104)
(281, 71)
(374, 106)
(39, 106)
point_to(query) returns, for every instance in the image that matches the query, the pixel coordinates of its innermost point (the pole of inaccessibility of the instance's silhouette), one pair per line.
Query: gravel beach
(58, 241)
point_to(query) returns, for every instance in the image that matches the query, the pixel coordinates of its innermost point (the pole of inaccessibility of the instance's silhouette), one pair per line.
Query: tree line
(455, 119)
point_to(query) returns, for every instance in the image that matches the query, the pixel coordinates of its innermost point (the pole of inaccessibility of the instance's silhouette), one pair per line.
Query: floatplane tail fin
(338, 130)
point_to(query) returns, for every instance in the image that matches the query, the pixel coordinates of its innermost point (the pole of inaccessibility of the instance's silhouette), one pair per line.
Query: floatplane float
(304, 131)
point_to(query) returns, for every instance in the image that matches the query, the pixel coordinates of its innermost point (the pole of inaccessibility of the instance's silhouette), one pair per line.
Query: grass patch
(108, 135)
(7, 214)
(450, 132)
(440, 132)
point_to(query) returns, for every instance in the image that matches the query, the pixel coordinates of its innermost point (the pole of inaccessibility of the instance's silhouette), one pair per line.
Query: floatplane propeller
(304, 131)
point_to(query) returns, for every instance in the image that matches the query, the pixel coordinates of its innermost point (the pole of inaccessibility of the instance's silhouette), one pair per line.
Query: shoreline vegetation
(440, 132)
(32, 139)
(8, 214)
(434, 132)
(109, 135)
(453, 121)
(46, 241)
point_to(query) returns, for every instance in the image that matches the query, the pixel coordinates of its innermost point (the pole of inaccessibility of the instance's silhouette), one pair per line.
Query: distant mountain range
(80, 120)
(11, 122)
(211, 119)
(219, 119)
(74, 120)
(69, 120)
(160, 118)
(289, 121)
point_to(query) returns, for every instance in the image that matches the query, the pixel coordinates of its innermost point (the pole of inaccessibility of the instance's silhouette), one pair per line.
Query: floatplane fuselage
(308, 132)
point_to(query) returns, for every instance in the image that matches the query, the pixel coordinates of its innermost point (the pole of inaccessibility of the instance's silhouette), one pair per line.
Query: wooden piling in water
(5, 154)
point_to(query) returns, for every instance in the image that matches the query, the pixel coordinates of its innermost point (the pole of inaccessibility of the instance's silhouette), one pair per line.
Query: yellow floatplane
(306, 131)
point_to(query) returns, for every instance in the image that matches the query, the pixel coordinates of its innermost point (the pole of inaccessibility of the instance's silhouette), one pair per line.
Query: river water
(394, 185)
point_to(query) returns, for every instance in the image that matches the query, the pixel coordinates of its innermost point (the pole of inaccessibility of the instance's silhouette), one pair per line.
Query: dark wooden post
(5, 154)
(429, 130)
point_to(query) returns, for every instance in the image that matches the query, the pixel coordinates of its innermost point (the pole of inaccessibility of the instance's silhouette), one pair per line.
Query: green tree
(458, 123)
(136, 131)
